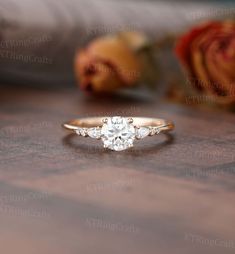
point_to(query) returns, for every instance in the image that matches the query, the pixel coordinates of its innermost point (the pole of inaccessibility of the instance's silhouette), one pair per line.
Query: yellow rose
(107, 64)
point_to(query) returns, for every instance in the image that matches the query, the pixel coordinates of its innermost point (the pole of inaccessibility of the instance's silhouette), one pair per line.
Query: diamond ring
(118, 133)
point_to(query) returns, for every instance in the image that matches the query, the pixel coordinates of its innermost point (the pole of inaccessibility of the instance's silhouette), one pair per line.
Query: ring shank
(137, 121)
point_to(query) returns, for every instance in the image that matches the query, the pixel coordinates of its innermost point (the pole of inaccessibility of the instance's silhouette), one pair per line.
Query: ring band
(118, 133)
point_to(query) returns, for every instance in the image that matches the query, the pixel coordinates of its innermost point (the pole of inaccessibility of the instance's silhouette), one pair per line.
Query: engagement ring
(118, 133)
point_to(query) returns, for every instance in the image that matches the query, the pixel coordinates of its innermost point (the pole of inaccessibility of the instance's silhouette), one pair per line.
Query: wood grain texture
(65, 194)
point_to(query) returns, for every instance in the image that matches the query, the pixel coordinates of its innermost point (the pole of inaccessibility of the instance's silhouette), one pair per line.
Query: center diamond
(118, 133)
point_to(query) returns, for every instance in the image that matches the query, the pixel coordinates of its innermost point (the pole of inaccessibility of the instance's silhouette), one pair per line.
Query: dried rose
(207, 53)
(108, 63)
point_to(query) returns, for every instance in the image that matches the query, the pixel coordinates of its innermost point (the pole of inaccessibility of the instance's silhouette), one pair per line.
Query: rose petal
(114, 50)
(207, 52)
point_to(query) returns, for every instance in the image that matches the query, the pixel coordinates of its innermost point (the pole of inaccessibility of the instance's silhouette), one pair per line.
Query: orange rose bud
(207, 53)
(107, 64)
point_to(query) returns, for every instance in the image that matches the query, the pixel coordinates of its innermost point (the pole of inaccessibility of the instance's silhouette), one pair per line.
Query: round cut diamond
(118, 133)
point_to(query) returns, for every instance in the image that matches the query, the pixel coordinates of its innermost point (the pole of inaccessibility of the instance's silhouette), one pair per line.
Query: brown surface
(60, 194)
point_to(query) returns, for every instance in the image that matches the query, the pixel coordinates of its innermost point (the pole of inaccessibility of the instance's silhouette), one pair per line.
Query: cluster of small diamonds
(154, 131)
(82, 132)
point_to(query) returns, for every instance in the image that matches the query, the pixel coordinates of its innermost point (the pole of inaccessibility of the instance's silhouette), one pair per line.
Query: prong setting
(104, 120)
(130, 120)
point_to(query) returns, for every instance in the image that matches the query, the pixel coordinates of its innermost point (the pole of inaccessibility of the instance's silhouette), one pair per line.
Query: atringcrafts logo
(15, 56)
(28, 42)
(17, 205)
(198, 239)
(118, 185)
(111, 226)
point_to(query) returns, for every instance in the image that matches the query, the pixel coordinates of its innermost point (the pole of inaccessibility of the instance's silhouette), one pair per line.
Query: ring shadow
(69, 141)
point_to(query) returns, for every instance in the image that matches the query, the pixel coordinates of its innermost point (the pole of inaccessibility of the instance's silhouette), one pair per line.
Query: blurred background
(39, 39)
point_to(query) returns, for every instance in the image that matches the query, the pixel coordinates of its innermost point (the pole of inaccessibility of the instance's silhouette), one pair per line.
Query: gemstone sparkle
(118, 133)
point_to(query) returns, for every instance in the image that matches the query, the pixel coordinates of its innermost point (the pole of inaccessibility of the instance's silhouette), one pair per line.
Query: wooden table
(62, 194)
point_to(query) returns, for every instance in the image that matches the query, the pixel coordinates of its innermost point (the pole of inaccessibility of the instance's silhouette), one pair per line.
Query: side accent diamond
(157, 131)
(78, 131)
(154, 131)
(81, 132)
(142, 132)
(94, 132)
